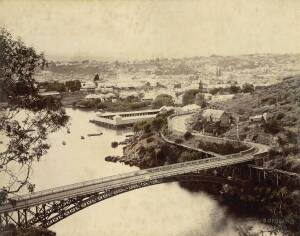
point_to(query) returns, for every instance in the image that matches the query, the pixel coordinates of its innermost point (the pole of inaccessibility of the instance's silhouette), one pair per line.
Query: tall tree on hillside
(28, 118)
(163, 100)
(200, 100)
(248, 88)
(200, 87)
(96, 78)
(189, 96)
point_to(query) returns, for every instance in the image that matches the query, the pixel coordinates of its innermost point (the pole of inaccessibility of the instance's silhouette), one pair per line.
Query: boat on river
(97, 134)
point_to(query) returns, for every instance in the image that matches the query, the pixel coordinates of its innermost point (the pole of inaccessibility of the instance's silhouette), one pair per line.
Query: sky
(141, 29)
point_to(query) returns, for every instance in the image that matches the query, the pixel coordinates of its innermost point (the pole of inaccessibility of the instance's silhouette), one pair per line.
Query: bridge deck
(112, 182)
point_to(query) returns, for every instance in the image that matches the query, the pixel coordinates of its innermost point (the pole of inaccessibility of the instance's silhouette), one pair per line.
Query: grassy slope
(282, 103)
(274, 99)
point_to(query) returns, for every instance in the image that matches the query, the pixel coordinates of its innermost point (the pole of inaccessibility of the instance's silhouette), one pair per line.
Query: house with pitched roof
(214, 116)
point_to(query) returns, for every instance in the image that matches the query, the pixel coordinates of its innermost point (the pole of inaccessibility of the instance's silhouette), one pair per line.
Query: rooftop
(213, 113)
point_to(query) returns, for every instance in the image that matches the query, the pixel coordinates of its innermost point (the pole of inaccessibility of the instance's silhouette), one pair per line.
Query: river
(160, 210)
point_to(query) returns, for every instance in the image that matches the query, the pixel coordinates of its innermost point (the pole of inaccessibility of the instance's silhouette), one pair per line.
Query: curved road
(179, 124)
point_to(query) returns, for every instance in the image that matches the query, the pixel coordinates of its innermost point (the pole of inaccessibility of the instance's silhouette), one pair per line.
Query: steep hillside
(281, 102)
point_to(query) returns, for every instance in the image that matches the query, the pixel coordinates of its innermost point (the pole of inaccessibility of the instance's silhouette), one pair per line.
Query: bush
(187, 135)
(189, 96)
(150, 139)
(221, 148)
(114, 144)
(139, 126)
(147, 128)
(163, 100)
(272, 127)
(248, 88)
(234, 89)
(146, 135)
(246, 128)
(158, 123)
(142, 150)
(280, 116)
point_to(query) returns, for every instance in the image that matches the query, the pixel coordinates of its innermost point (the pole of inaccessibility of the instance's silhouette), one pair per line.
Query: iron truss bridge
(47, 207)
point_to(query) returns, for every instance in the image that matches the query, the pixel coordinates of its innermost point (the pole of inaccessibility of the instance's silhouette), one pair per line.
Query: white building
(191, 108)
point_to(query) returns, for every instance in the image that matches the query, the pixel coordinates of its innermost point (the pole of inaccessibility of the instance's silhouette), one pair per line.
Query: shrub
(248, 88)
(147, 128)
(246, 128)
(234, 89)
(146, 135)
(139, 126)
(189, 96)
(221, 148)
(114, 144)
(150, 139)
(142, 150)
(272, 126)
(163, 100)
(158, 123)
(187, 135)
(280, 116)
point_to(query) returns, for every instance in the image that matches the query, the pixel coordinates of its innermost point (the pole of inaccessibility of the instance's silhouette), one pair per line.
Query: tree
(163, 100)
(234, 89)
(248, 88)
(200, 100)
(187, 135)
(73, 85)
(272, 126)
(25, 125)
(147, 128)
(158, 123)
(96, 78)
(200, 87)
(189, 96)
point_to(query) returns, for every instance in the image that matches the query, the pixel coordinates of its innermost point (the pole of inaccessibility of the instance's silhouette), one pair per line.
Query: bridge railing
(117, 177)
(71, 186)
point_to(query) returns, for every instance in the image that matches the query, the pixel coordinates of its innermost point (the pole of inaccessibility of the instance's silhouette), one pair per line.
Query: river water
(160, 210)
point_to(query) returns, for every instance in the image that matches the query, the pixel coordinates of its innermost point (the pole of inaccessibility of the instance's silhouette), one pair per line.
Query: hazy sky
(144, 29)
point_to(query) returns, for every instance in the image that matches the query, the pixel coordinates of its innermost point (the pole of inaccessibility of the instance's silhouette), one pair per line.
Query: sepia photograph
(149, 117)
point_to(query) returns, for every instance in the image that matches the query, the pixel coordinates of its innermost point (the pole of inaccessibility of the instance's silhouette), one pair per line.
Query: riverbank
(268, 202)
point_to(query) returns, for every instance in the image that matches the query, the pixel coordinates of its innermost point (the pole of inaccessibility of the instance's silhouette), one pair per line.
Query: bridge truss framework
(46, 215)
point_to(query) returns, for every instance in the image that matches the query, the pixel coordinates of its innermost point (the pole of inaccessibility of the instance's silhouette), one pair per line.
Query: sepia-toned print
(149, 118)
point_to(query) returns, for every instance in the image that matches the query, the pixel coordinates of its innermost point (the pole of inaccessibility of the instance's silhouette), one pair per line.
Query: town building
(259, 118)
(191, 108)
(213, 116)
(123, 119)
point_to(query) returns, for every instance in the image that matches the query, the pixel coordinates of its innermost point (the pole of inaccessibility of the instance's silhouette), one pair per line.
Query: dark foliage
(27, 137)
(114, 144)
(187, 135)
(189, 96)
(162, 100)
